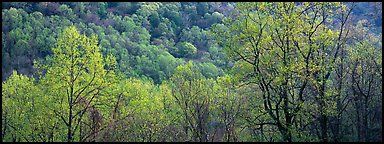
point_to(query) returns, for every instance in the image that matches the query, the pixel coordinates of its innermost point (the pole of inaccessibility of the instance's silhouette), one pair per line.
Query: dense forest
(192, 71)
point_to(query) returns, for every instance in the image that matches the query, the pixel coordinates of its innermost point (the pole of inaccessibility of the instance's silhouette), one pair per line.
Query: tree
(154, 20)
(365, 70)
(75, 78)
(185, 49)
(228, 105)
(202, 8)
(285, 56)
(102, 9)
(193, 94)
(66, 11)
(209, 70)
(22, 109)
(168, 64)
(296, 71)
(137, 112)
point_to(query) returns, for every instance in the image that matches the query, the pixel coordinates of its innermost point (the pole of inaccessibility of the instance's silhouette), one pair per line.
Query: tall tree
(365, 69)
(75, 78)
(284, 47)
(193, 94)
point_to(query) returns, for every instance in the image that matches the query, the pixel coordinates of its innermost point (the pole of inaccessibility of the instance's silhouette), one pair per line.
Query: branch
(18, 131)
(243, 58)
(94, 75)
(311, 6)
(82, 114)
(61, 116)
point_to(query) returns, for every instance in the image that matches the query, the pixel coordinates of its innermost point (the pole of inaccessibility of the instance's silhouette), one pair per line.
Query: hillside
(191, 71)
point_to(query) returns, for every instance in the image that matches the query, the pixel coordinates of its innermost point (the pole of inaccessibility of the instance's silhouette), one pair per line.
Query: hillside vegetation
(191, 71)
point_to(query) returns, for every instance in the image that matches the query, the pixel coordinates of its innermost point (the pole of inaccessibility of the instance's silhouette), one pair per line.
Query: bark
(323, 116)
(365, 120)
(69, 138)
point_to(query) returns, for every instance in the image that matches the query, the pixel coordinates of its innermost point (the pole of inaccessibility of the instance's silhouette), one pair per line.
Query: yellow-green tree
(228, 105)
(193, 93)
(22, 110)
(74, 80)
(288, 51)
(137, 114)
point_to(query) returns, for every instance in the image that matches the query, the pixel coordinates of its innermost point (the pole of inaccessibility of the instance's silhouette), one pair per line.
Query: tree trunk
(69, 139)
(288, 122)
(358, 123)
(4, 130)
(323, 116)
(339, 105)
(323, 125)
(365, 120)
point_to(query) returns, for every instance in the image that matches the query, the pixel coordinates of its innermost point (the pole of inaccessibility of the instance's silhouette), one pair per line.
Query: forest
(191, 72)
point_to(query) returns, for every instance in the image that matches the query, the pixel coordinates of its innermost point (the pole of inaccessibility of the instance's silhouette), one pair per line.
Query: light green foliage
(193, 94)
(75, 78)
(168, 64)
(186, 49)
(217, 71)
(215, 17)
(195, 36)
(228, 106)
(24, 111)
(141, 112)
(283, 46)
(209, 70)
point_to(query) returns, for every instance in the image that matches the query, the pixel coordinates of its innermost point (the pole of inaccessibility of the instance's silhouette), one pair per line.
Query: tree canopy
(191, 71)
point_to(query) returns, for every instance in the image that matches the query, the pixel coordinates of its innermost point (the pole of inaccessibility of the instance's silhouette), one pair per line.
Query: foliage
(191, 71)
